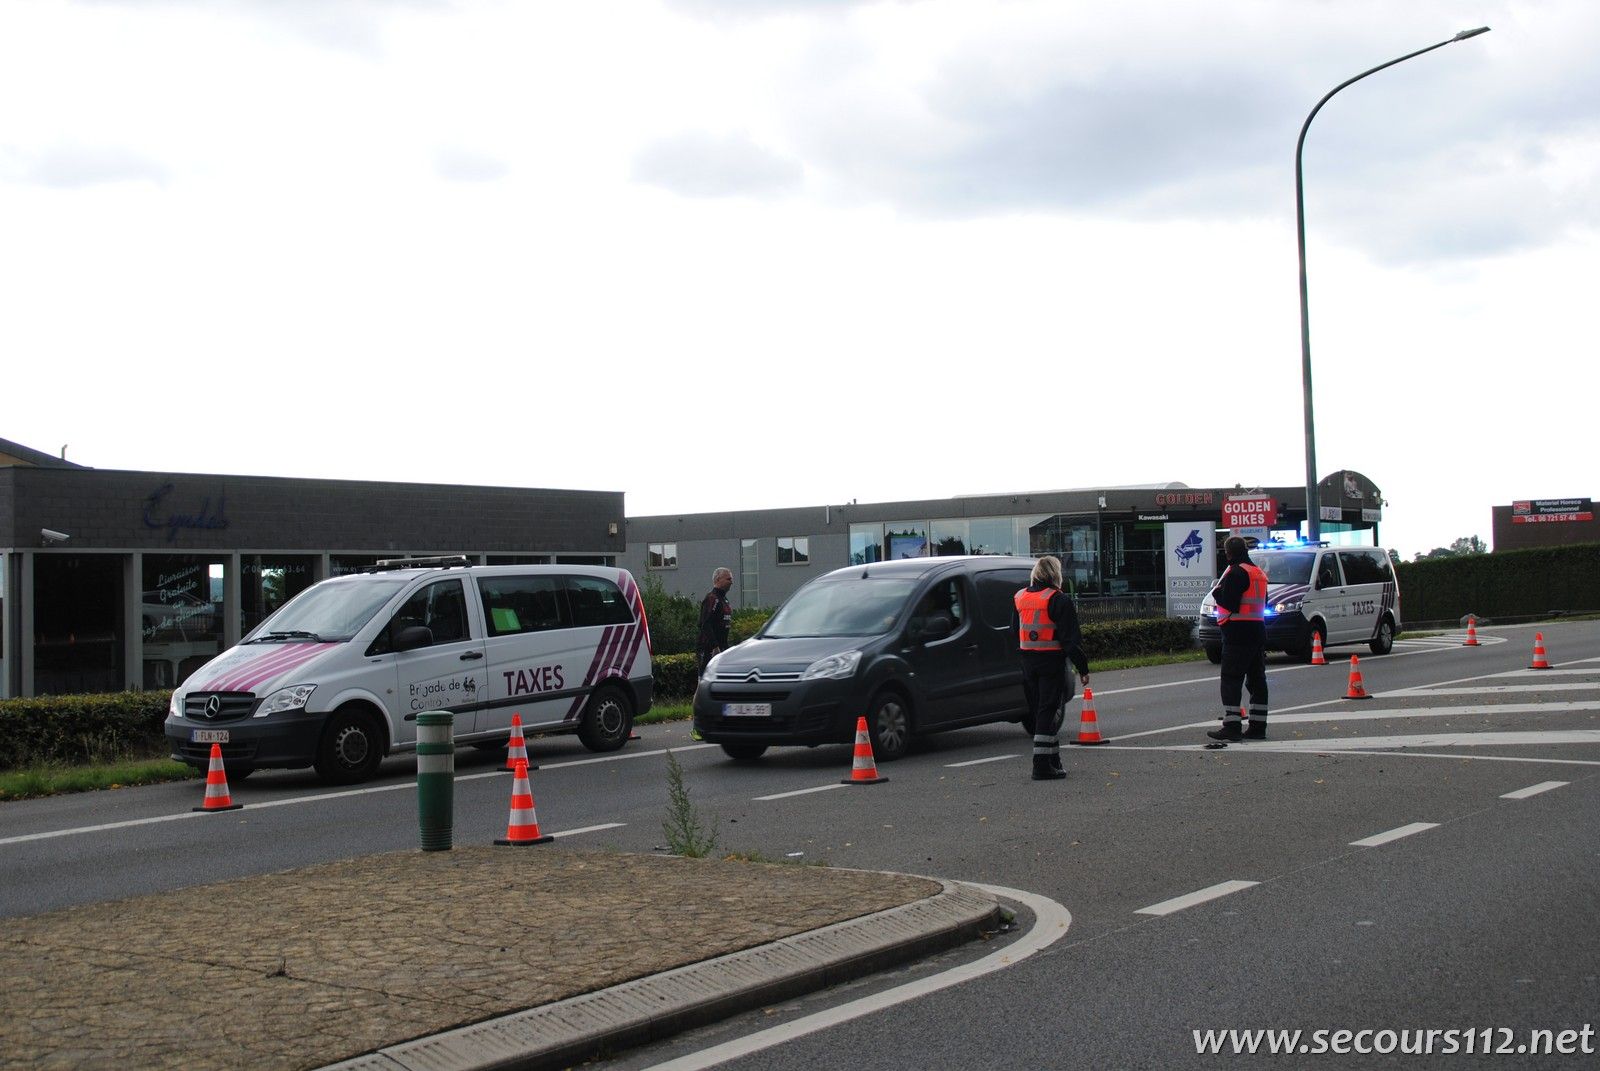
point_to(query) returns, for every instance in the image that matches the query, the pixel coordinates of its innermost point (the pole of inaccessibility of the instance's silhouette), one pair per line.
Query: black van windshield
(852, 607)
(331, 612)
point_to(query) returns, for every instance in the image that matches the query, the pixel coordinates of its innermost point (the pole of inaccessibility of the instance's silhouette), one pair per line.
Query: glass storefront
(5, 677)
(266, 582)
(77, 644)
(180, 615)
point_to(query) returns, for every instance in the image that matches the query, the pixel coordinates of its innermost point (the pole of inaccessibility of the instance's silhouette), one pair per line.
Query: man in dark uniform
(716, 621)
(1046, 626)
(1241, 597)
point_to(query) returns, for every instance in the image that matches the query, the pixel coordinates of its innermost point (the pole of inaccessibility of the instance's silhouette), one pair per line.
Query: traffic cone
(1317, 658)
(1356, 690)
(864, 771)
(1088, 724)
(1472, 632)
(217, 798)
(517, 751)
(523, 827)
(1538, 652)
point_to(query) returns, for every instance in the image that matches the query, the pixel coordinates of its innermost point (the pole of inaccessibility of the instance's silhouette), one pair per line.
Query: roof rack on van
(442, 561)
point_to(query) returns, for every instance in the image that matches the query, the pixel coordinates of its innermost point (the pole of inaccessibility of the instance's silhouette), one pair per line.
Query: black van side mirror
(936, 627)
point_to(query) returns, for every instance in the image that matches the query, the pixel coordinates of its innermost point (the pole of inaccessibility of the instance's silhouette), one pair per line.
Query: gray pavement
(473, 958)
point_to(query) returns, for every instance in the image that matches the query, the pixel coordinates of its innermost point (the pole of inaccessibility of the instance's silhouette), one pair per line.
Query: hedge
(77, 729)
(1516, 583)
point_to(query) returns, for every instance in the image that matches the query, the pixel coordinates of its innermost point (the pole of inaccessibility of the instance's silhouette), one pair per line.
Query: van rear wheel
(1383, 640)
(607, 720)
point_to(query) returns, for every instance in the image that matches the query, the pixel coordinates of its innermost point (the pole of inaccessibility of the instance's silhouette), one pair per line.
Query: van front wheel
(607, 720)
(351, 748)
(889, 726)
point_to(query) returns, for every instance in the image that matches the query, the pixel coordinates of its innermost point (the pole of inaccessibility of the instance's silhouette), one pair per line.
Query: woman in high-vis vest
(1046, 626)
(1241, 597)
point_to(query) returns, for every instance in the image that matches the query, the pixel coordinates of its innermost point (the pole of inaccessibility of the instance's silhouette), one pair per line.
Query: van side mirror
(411, 637)
(936, 627)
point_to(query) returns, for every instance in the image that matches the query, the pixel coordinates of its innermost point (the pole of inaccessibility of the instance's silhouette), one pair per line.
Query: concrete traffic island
(475, 957)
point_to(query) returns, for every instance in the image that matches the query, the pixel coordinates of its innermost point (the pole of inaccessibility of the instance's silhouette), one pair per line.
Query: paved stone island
(310, 967)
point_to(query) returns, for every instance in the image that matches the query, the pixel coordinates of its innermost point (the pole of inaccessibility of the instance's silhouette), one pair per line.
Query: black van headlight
(834, 667)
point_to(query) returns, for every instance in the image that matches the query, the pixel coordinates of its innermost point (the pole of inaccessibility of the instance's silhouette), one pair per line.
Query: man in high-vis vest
(1046, 627)
(1241, 597)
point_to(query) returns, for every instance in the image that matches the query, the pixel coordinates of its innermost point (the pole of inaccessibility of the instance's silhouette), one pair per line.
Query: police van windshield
(331, 612)
(1286, 566)
(854, 607)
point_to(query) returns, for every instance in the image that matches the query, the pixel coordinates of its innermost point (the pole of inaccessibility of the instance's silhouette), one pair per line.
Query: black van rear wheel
(889, 726)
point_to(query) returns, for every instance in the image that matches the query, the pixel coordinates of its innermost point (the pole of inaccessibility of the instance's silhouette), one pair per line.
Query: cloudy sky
(730, 254)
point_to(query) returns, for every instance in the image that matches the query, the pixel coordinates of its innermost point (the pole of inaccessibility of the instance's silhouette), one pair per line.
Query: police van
(1342, 595)
(336, 678)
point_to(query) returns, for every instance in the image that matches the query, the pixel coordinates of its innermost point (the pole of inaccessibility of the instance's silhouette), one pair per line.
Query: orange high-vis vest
(1253, 606)
(1035, 630)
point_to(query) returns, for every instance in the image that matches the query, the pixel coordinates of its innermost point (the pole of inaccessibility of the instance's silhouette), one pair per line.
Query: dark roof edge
(37, 458)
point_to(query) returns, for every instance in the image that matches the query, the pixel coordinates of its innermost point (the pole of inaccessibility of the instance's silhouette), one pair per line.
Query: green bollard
(436, 779)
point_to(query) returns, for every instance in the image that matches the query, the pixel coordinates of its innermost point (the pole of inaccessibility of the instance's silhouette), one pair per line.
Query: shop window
(749, 573)
(180, 616)
(949, 537)
(662, 556)
(266, 582)
(905, 539)
(866, 544)
(77, 623)
(794, 550)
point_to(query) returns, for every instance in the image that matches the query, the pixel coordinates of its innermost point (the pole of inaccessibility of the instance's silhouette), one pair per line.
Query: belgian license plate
(208, 736)
(747, 710)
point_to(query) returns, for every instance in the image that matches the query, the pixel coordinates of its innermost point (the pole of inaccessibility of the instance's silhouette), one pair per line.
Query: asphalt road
(1353, 885)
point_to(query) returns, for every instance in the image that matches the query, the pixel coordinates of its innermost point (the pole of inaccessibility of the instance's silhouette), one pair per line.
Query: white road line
(1394, 834)
(1050, 924)
(1530, 738)
(1178, 903)
(1302, 716)
(979, 762)
(1534, 790)
(1487, 689)
(290, 801)
(588, 829)
(1268, 749)
(801, 792)
(1548, 672)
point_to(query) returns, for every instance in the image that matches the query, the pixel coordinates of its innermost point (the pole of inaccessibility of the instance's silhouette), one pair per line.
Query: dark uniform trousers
(1045, 687)
(1244, 665)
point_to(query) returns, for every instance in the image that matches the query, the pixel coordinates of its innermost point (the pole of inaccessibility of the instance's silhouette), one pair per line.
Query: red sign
(1250, 512)
(1551, 511)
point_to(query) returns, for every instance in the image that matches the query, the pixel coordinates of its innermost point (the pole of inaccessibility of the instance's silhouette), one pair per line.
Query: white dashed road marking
(1394, 834)
(1178, 903)
(980, 762)
(801, 792)
(1534, 790)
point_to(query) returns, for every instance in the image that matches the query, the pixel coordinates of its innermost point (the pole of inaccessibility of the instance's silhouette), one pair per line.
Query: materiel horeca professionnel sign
(1191, 562)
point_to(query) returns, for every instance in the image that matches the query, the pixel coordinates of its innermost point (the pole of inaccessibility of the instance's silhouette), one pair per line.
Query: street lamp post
(1313, 506)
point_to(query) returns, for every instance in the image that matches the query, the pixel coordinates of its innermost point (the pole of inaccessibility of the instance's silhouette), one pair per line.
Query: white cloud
(859, 235)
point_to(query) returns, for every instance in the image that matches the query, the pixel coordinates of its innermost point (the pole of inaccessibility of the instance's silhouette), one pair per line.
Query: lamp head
(1464, 34)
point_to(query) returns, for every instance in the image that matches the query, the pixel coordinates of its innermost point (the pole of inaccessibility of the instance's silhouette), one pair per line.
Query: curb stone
(661, 1005)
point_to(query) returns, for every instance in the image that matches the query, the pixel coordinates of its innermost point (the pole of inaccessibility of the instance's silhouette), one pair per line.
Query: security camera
(50, 535)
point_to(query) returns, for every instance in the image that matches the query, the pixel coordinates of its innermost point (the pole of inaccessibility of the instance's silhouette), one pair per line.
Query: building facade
(1115, 543)
(116, 579)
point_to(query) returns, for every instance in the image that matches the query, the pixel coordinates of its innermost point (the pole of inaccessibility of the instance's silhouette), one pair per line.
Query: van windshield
(1286, 567)
(852, 607)
(332, 611)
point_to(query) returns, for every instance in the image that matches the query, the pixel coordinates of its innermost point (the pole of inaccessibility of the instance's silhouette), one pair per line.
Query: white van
(1342, 594)
(336, 678)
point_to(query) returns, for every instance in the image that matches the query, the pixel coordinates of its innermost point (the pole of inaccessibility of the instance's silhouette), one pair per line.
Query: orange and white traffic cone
(517, 750)
(1317, 657)
(1539, 661)
(522, 829)
(1472, 632)
(864, 770)
(1356, 690)
(1088, 724)
(217, 797)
